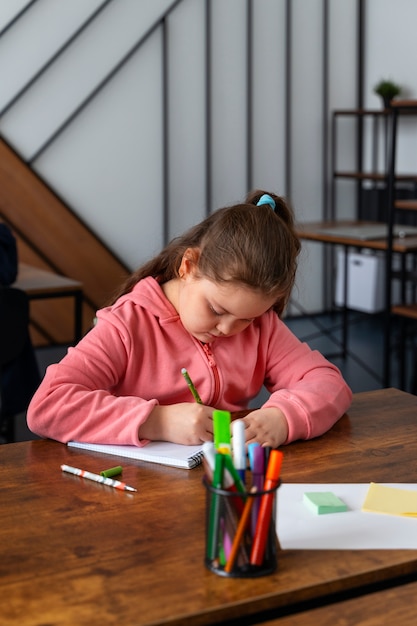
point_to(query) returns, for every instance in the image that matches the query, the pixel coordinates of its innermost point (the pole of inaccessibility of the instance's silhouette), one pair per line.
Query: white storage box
(366, 282)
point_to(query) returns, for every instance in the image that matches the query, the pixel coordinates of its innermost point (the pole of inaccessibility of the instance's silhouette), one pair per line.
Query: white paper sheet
(300, 529)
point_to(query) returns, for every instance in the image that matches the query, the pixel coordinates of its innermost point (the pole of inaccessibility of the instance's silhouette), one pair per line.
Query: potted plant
(387, 89)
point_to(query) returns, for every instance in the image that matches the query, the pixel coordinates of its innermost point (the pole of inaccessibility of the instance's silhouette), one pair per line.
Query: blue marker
(251, 448)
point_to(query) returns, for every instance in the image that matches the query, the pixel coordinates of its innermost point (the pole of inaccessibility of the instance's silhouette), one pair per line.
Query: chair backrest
(14, 321)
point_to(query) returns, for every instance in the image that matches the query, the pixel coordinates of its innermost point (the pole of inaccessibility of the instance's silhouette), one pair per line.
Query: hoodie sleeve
(311, 393)
(76, 399)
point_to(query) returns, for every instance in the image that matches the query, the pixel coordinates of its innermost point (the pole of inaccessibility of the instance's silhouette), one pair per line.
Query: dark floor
(362, 367)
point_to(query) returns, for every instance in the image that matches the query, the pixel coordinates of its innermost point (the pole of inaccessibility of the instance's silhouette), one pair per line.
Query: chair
(14, 323)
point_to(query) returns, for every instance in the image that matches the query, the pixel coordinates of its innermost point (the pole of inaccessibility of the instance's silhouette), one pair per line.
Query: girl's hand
(187, 423)
(267, 427)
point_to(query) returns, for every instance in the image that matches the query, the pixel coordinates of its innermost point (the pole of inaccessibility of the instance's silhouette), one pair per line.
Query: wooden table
(40, 284)
(397, 605)
(77, 552)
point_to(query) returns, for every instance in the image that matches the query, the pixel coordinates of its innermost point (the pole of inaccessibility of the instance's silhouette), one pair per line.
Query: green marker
(113, 471)
(228, 463)
(222, 435)
(215, 505)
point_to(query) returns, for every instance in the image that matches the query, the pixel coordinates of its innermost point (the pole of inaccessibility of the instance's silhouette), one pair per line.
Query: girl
(210, 302)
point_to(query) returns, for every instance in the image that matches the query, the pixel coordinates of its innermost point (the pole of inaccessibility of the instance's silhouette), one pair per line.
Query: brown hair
(255, 246)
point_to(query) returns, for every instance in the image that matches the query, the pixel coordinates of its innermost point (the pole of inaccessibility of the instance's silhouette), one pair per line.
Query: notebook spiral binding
(196, 459)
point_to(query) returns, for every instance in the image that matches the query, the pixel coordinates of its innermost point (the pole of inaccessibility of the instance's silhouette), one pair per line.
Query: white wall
(108, 164)
(392, 53)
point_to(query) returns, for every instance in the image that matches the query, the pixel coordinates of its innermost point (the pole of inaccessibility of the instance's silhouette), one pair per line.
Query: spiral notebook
(162, 452)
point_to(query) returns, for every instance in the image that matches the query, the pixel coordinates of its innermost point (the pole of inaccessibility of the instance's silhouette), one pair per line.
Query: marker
(209, 453)
(228, 523)
(227, 532)
(239, 450)
(221, 427)
(191, 386)
(228, 463)
(209, 459)
(251, 448)
(267, 452)
(110, 482)
(239, 533)
(113, 471)
(265, 507)
(215, 505)
(257, 460)
(258, 467)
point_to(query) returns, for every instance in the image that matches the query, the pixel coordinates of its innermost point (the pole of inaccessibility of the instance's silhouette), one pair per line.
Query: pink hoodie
(105, 387)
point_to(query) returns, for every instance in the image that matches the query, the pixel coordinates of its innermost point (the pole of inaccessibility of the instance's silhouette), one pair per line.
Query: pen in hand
(97, 478)
(191, 386)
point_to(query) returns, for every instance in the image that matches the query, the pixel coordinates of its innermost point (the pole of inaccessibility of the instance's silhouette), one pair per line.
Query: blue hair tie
(266, 199)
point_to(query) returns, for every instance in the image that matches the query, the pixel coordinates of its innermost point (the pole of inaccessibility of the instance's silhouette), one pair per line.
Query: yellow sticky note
(390, 500)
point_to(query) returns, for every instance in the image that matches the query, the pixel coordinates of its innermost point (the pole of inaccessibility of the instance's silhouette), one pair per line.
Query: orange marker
(243, 522)
(265, 508)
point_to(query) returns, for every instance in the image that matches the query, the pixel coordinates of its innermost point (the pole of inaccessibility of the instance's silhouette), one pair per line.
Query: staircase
(50, 236)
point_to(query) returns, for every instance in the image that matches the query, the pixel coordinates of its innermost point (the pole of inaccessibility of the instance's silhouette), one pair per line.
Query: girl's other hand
(268, 427)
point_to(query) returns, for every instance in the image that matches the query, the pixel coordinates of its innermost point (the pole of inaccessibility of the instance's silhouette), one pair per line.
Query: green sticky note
(322, 502)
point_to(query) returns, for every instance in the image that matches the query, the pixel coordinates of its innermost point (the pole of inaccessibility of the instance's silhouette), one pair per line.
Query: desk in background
(76, 552)
(325, 232)
(40, 285)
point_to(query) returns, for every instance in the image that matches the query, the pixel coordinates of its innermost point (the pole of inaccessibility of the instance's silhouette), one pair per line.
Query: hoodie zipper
(212, 363)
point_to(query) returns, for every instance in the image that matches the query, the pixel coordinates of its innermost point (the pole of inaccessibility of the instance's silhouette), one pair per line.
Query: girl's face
(209, 310)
